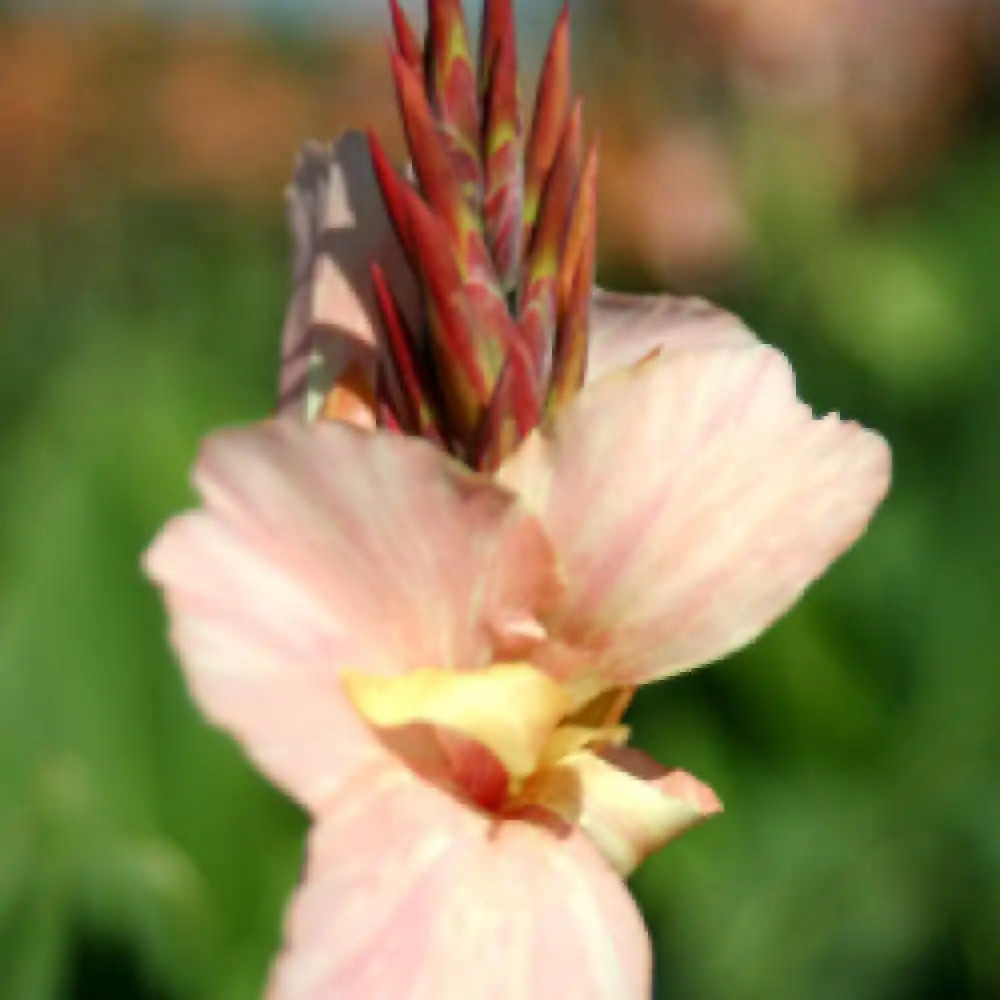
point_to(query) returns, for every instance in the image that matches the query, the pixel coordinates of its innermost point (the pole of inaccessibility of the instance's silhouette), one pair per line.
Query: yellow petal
(606, 709)
(509, 708)
(628, 808)
(568, 740)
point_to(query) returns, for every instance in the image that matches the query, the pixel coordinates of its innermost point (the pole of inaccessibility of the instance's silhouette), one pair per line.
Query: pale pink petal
(409, 895)
(625, 329)
(624, 801)
(323, 549)
(338, 228)
(692, 499)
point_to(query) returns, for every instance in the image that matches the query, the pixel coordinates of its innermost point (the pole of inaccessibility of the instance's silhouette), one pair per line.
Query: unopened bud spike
(430, 158)
(498, 26)
(406, 39)
(569, 362)
(451, 81)
(499, 231)
(539, 313)
(410, 382)
(581, 235)
(394, 193)
(503, 209)
(553, 220)
(552, 108)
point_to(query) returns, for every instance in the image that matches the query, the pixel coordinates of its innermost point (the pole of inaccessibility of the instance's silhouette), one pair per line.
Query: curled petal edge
(626, 329)
(627, 804)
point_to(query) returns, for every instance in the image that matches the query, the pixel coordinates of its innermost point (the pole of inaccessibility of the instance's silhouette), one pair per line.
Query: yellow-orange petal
(627, 804)
(509, 708)
(351, 399)
(567, 740)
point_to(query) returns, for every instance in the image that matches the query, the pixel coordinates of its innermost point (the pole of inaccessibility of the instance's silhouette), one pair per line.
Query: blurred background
(830, 169)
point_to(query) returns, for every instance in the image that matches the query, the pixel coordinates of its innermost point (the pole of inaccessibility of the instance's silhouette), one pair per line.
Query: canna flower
(494, 503)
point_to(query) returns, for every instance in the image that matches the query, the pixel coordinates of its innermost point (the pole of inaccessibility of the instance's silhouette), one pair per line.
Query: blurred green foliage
(855, 746)
(126, 826)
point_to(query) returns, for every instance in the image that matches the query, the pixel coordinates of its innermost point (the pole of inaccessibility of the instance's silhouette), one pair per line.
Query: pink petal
(323, 549)
(625, 329)
(627, 804)
(692, 499)
(409, 895)
(338, 228)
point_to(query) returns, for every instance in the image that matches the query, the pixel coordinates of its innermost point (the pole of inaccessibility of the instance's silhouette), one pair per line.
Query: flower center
(501, 730)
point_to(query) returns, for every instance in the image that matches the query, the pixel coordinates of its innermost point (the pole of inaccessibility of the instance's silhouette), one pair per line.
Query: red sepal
(514, 410)
(451, 81)
(503, 208)
(431, 162)
(406, 40)
(394, 193)
(552, 108)
(582, 233)
(539, 310)
(569, 360)
(409, 384)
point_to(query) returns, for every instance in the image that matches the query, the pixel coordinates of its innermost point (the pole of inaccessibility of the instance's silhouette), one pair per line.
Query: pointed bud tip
(406, 39)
